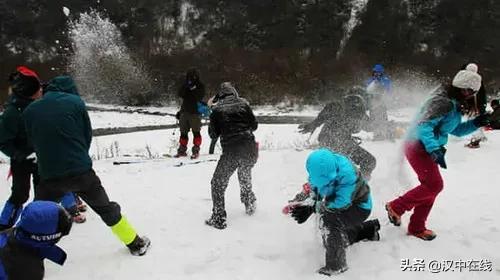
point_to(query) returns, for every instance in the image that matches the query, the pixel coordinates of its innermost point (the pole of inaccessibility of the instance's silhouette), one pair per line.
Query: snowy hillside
(169, 204)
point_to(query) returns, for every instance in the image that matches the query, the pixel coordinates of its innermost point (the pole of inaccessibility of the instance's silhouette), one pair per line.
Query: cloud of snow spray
(410, 90)
(102, 66)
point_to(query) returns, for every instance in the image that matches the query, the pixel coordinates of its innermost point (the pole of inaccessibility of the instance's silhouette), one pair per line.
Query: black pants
(229, 162)
(22, 172)
(361, 157)
(88, 187)
(213, 143)
(340, 229)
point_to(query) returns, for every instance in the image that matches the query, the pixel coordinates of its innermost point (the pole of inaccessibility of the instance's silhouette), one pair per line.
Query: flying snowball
(66, 11)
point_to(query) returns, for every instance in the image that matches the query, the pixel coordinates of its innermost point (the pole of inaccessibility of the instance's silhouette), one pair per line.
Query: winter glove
(438, 157)
(482, 120)
(302, 212)
(357, 140)
(298, 199)
(32, 157)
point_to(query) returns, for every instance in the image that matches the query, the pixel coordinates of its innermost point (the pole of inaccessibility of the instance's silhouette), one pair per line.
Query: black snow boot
(250, 208)
(329, 272)
(367, 231)
(139, 246)
(371, 230)
(217, 220)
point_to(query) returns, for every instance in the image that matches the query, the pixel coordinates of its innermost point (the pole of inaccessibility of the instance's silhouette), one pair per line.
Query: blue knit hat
(41, 226)
(378, 68)
(43, 223)
(322, 167)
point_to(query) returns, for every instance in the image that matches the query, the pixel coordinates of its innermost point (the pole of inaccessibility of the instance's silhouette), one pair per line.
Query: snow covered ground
(169, 204)
(117, 119)
(263, 110)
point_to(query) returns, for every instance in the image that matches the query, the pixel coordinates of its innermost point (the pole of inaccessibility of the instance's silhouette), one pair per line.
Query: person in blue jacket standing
(425, 149)
(380, 77)
(33, 239)
(340, 195)
(378, 88)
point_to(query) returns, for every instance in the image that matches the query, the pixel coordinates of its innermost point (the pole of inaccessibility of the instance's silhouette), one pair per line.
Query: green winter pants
(189, 121)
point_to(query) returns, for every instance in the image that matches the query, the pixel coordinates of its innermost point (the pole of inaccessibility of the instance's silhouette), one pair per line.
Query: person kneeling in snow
(24, 247)
(233, 120)
(339, 194)
(425, 151)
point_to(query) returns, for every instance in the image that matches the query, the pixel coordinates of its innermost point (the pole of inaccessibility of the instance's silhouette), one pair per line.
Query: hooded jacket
(439, 117)
(341, 120)
(232, 119)
(383, 80)
(59, 128)
(13, 139)
(336, 181)
(191, 92)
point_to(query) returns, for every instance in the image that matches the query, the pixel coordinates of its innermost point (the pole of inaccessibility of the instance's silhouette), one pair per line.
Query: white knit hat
(472, 67)
(467, 79)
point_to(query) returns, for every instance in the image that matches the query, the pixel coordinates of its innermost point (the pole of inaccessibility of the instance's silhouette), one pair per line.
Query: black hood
(193, 75)
(226, 89)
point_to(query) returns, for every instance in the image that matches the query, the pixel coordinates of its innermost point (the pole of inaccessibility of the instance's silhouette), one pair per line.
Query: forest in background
(273, 50)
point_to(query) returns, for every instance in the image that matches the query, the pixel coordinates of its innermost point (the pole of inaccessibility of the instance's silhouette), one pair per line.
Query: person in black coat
(233, 121)
(341, 119)
(495, 115)
(192, 92)
(24, 88)
(478, 107)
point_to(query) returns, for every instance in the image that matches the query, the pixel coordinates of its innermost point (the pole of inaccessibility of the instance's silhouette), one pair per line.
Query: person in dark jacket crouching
(233, 121)
(59, 127)
(341, 119)
(339, 194)
(24, 247)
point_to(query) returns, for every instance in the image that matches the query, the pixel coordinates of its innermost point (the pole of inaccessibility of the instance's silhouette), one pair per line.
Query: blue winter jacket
(383, 80)
(439, 117)
(336, 181)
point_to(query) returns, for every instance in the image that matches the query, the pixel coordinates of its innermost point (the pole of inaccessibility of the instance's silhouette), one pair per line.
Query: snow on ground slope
(103, 119)
(116, 119)
(169, 204)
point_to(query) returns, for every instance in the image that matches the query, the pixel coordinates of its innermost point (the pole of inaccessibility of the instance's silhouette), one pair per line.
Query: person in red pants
(192, 93)
(440, 116)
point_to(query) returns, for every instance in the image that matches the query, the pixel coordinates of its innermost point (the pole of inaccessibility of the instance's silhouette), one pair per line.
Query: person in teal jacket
(425, 148)
(59, 127)
(24, 86)
(340, 195)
